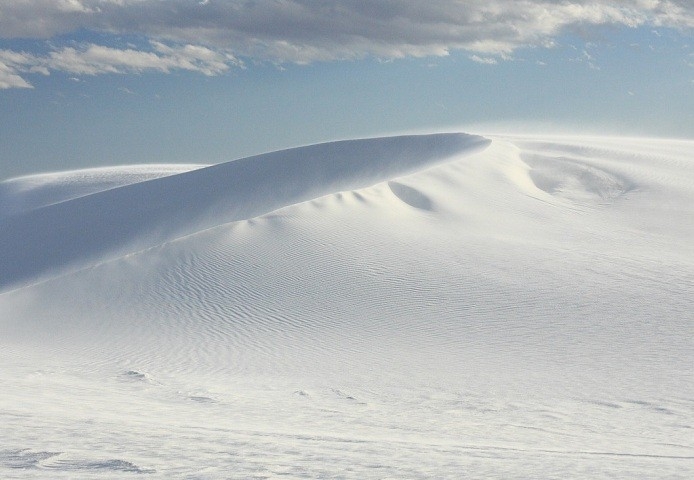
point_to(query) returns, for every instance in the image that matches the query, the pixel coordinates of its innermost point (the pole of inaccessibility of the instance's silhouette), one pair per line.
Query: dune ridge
(29, 192)
(57, 237)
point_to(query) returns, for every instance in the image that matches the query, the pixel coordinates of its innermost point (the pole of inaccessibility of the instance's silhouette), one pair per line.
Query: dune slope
(408, 307)
(118, 221)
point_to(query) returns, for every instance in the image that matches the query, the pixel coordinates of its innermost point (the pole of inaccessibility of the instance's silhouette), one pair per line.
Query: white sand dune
(22, 194)
(132, 216)
(439, 306)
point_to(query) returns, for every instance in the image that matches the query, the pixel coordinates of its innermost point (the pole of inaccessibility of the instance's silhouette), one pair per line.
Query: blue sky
(102, 82)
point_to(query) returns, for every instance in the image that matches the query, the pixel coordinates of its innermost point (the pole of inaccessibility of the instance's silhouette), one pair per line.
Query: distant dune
(432, 306)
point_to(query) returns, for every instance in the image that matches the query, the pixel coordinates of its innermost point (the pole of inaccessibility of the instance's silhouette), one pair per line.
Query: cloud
(10, 79)
(97, 59)
(11, 64)
(484, 60)
(93, 59)
(304, 31)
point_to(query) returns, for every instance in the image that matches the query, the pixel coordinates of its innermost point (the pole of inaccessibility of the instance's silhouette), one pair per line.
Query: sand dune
(408, 307)
(22, 194)
(116, 221)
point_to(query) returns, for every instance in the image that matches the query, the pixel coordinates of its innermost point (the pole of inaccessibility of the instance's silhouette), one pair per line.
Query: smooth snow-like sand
(440, 306)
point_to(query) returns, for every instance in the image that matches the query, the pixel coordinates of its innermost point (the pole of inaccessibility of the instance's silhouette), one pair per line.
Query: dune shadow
(411, 196)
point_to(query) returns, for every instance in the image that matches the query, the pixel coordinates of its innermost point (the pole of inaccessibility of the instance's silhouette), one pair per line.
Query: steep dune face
(513, 308)
(57, 237)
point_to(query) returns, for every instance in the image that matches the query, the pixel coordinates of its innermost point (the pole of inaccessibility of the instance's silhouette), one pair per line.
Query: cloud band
(208, 36)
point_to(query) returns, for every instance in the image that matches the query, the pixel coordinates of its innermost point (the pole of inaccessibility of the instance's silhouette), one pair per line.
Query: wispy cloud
(207, 36)
(93, 59)
(484, 60)
(96, 59)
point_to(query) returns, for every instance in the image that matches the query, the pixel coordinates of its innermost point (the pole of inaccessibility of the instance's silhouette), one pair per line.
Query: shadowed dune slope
(67, 235)
(21, 194)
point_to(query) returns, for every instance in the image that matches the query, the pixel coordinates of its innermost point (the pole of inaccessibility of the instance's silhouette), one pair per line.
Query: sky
(87, 83)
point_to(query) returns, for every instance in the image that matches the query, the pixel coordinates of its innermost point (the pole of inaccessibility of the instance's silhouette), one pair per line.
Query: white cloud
(484, 60)
(303, 31)
(11, 64)
(96, 59)
(10, 79)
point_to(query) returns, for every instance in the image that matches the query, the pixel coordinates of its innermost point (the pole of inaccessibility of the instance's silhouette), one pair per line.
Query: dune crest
(21, 194)
(58, 237)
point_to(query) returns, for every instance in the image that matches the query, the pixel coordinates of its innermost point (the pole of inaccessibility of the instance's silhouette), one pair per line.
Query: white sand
(409, 307)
